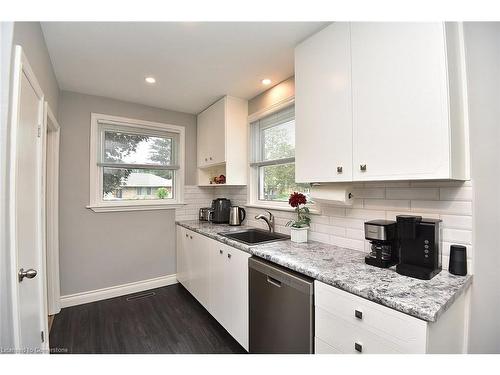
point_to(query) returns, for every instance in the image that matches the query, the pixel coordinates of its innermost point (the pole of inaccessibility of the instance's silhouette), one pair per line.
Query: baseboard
(116, 291)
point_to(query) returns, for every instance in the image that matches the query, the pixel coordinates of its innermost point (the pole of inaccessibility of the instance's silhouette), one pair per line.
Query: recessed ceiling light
(266, 81)
(150, 80)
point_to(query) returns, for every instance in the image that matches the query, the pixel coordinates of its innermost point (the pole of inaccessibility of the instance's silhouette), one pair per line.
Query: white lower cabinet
(229, 290)
(192, 258)
(345, 323)
(217, 276)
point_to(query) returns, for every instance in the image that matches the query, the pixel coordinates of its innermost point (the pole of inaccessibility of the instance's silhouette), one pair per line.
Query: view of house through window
(275, 156)
(137, 166)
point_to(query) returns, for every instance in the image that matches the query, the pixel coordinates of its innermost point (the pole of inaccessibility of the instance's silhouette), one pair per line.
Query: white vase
(298, 235)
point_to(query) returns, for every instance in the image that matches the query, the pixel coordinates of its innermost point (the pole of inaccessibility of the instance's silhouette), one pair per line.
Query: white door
(27, 209)
(399, 100)
(323, 114)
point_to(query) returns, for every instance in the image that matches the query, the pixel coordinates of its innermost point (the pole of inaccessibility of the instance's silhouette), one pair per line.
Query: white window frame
(97, 204)
(253, 170)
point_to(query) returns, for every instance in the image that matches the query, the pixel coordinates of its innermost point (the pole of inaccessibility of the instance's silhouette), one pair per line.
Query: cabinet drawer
(349, 338)
(321, 347)
(397, 327)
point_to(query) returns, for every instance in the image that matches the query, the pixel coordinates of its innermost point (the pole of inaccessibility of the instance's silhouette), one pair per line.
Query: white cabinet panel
(323, 113)
(217, 276)
(181, 260)
(217, 306)
(321, 347)
(200, 250)
(405, 332)
(348, 338)
(399, 101)
(211, 134)
(383, 101)
(236, 281)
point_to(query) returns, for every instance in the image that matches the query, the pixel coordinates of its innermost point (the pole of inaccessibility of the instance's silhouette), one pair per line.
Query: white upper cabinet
(222, 141)
(211, 134)
(402, 126)
(323, 114)
(384, 101)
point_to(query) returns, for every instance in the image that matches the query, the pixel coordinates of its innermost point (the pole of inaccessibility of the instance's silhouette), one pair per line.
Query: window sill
(312, 210)
(135, 207)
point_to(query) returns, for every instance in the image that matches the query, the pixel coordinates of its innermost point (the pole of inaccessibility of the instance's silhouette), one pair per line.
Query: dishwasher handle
(273, 281)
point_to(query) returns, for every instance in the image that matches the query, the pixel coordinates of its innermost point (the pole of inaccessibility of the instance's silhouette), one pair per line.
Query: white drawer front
(321, 347)
(403, 330)
(346, 337)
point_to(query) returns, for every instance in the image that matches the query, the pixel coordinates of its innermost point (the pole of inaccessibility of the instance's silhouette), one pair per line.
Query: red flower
(297, 199)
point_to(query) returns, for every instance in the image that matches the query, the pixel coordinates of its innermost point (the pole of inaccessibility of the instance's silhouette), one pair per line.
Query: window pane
(137, 184)
(120, 147)
(277, 182)
(278, 141)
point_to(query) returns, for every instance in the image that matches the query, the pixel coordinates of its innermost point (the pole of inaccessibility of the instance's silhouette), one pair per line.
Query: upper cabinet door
(211, 134)
(400, 101)
(323, 114)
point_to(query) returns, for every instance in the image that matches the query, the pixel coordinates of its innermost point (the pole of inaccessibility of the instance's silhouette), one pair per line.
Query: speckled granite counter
(345, 269)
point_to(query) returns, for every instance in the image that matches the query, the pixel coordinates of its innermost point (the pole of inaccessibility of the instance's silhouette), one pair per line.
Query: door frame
(22, 66)
(51, 232)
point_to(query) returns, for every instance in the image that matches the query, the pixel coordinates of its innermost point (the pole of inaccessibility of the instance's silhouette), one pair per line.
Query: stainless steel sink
(255, 236)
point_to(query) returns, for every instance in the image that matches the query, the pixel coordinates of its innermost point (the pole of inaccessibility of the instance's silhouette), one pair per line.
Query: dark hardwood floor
(171, 321)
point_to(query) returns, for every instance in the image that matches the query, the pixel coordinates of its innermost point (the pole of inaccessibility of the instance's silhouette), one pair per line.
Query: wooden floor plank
(171, 321)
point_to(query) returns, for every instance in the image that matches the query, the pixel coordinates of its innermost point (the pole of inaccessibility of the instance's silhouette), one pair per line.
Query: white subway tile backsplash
(443, 207)
(457, 235)
(364, 214)
(387, 204)
(457, 221)
(450, 201)
(369, 193)
(413, 193)
(455, 194)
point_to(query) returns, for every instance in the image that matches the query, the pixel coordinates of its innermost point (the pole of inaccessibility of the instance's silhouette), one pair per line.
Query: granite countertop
(345, 269)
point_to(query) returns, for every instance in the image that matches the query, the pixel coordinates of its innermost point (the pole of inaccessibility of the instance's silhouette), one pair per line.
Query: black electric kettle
(236, 215)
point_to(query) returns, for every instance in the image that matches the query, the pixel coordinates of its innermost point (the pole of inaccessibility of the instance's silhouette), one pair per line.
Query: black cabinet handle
(358, 347)
(358, 314)
(220, 251)
(229, 256)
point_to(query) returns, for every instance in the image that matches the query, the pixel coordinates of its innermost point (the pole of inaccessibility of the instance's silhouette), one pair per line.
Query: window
(273, 159)
(135, 164)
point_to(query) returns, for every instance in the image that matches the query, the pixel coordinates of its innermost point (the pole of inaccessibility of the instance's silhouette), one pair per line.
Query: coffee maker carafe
(419, 247)
(382, 236)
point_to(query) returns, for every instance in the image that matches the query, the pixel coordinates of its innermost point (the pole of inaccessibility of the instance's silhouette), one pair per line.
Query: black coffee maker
(382, 236)
(419, 247)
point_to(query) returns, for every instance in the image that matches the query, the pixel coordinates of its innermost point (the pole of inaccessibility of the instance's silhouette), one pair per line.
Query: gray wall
(275, 94)
(30, 36)
(482, 42)
(99, 250)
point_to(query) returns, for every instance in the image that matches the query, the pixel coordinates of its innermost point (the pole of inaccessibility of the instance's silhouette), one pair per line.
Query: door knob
(31, 273)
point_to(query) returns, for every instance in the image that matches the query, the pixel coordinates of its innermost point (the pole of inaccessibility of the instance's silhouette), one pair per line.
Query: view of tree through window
(141, 182)
(277, 181)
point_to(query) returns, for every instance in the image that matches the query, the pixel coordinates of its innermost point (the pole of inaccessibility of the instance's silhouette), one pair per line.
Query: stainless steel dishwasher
(281, 309)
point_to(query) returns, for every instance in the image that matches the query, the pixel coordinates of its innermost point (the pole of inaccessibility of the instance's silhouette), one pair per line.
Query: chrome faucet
(269, 222)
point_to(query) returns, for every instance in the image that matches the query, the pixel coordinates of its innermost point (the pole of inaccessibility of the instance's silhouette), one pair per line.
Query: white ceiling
(194, 63)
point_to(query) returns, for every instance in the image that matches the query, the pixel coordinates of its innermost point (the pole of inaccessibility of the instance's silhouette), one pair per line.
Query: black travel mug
(458, 260)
